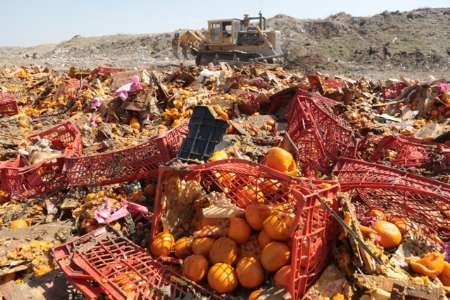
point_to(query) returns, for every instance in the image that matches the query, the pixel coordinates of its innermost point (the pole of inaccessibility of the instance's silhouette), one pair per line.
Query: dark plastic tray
(205, 132)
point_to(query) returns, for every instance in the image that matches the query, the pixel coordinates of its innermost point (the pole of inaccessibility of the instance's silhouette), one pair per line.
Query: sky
(32, 22)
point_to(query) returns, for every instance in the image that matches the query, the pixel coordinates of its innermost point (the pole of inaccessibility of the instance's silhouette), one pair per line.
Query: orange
(183, 247)
(274, 256)
(201, 246)
(389, 234)
(401, 223)
(246, 195)
(18, 224)
(445, 275)
(249, 272)
(255, 214)
(222, 278)
(23, 122)
(226, 179)
(278, 225)
(162, 244)
(239, 230)
(204, 221)
(431, 264)
(195, 267)
(281, 160)
(176, 122)
(221, 112)
(338, 296)
(218, 155)
(224, 250)
(263, 239)
(283, 276)
(134, 123)
(129, 288)
(269, 186)
(250, 248)
(255, 294)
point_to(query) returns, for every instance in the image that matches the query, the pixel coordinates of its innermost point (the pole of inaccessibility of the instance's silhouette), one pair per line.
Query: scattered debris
(182, 175)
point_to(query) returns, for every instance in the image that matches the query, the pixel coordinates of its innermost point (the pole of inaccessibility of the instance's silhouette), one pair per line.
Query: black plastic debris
(205, 132)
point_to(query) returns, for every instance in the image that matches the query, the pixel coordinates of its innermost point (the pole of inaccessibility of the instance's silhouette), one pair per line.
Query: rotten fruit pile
(119, 167)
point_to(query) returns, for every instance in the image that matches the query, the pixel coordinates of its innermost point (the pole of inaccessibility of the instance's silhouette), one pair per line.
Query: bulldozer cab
(232, 32)
(223, 32)
(236, 40)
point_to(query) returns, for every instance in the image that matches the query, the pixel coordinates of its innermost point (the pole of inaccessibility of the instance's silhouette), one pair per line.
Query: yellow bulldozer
(234, 41)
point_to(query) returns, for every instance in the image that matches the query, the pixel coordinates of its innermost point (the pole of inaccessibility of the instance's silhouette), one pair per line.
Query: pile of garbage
(240, 182)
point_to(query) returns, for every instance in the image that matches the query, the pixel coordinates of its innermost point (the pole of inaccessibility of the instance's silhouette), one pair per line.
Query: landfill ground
(129, 177)
(382, 46)
(75, 178)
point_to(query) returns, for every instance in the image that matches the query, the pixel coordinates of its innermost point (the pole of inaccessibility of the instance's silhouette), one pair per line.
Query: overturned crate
(411, 152)
(21, 180)
(104, 263)
(319, 136)
(401, 194)
(105, 71)
(71, 88)
(127, 164)
(244, 183)
(8, 105)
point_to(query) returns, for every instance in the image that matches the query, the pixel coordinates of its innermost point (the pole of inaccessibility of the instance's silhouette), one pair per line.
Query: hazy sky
(31, 22)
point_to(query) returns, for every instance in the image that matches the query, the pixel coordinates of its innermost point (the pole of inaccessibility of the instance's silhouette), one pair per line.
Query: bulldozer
(235, 41)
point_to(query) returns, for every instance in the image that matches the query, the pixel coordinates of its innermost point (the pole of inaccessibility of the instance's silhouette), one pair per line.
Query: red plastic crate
(394, 90)
(64, 137)
(8, 105)
(72, 87)
(106, 70)
(128, 164)
(314, 228)
(9, 174)
(99, 257)
(419, 199)
(324, 85)
(20, 180)
(281, 99)
(320, 136)
(75, 275)
(412, 152)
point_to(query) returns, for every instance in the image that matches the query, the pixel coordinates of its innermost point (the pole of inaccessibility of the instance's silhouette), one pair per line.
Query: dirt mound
(405, 40)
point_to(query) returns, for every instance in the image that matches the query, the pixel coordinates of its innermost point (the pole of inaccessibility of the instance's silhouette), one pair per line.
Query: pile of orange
(253, 246)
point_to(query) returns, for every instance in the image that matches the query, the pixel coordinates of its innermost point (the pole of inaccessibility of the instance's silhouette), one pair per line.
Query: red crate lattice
(314, 229)
(102, 256)
(402, 194)
(128, 164)
(412, 152)
(21, 180)
(320, 136)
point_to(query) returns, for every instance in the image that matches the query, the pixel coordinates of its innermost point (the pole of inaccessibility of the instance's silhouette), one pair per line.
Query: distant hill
(418, 39)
